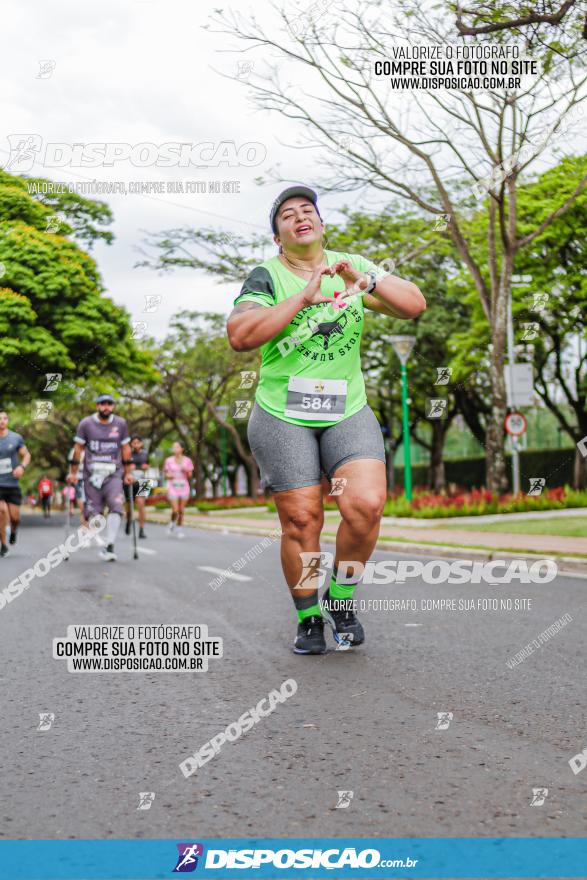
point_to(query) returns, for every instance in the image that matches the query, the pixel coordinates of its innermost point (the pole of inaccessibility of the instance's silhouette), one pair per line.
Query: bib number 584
(316, 403)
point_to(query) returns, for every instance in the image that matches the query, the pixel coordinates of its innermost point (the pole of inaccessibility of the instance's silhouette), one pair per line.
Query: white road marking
(147, 550)
(229, 575)
(412, 624)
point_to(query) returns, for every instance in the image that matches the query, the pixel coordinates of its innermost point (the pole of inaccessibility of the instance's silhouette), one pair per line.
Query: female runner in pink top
(178, 469)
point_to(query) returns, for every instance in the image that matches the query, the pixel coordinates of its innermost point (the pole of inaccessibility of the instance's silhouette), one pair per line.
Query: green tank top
(311, 371)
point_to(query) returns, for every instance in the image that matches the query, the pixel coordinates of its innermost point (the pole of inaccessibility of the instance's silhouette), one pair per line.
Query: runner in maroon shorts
(107, 464)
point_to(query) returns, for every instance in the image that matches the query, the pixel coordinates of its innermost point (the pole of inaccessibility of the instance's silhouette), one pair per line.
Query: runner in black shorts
(14, 458)
(311, 427)
(140, 460)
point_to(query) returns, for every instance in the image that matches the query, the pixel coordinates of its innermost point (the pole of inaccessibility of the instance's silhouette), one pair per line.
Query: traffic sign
(515, 424)
(523, 376)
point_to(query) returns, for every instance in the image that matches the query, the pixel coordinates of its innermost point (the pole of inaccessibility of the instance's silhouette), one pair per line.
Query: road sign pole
(515, 466)
(406, 434)
(511, 356)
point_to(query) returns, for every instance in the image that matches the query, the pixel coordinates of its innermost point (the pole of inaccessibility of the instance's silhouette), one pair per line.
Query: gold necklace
(301, 268)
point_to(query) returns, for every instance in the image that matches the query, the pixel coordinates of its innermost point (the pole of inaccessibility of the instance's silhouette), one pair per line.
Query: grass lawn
(571, 526)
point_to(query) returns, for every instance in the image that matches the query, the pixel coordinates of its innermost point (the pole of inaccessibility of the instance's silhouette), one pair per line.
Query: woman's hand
(352, 277)
(312, 294)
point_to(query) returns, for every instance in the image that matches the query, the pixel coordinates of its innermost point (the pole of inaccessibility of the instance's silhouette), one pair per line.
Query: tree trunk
(200, 477)
(579, 470)
(252, 477)
(436, 473)
(495, 446)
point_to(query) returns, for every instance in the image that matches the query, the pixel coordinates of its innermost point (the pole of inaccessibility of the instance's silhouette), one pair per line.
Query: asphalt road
(361, 721)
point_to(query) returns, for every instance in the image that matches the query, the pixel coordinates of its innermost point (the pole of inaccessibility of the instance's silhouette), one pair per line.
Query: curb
(568, 564)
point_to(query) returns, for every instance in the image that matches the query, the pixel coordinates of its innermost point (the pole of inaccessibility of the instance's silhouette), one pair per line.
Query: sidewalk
(569, 552)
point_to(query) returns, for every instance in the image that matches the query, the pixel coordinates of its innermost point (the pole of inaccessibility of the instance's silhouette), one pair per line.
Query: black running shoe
(127, 527)
(340, 614)
(3, 550)
(142, 533)
(310, 637)
(12, 539)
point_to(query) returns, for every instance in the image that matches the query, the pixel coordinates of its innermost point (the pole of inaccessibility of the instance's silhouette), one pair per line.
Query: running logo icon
(53, 380)
(46, 68)
(152, 303)
(539, 795)
(344, 799)
(539, 302)
(537, 484)
(337, 485)
(241, 409)
(312, 570)
(146, 798)
(436, 408)
(443, 375)
(247, 378)
(23, 152)
(42, 409)
(46, 719)
(187, 861)
(441, 223)
(444, 719)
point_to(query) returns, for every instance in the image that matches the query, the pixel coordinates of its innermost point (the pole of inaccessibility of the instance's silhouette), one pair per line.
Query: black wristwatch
(372, 283)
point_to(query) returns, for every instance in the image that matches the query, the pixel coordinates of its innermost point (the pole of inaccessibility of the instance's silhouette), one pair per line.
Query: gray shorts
(110, 496)
(293, 456)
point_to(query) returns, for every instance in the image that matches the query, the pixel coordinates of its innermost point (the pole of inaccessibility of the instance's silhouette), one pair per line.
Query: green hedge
(555, 465)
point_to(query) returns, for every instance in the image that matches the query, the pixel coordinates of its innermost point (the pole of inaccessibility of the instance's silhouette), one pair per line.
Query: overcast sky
(139, 72)
(145, 72)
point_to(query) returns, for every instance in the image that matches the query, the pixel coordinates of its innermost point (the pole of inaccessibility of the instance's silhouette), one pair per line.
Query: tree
(432, 161)
(555, 19)
(416, 250)
(54, 316)
(199, 373)
(554, 304)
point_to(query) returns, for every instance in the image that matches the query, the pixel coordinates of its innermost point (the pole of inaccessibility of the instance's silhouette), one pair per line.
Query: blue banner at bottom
(486, 857)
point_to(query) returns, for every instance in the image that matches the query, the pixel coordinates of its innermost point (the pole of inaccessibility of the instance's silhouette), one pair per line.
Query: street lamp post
(403, 345)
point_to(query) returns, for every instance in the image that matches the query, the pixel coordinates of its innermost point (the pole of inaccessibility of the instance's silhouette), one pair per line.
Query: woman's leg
(301, 516)
(361, 507)
(354, 457)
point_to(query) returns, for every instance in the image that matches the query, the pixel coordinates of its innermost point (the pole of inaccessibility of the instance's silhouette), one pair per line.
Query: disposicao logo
(187, 860)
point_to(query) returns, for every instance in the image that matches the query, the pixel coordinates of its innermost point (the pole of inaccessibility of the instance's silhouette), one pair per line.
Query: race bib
(5, 465)
(138, 475)
(178, 484)
(100, 471)
(318, 400)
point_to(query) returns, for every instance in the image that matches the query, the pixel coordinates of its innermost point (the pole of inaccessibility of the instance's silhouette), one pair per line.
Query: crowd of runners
(310, 424)
(113, 478)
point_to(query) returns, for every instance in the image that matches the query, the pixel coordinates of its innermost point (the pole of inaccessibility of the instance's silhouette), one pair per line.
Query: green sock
(341, 591)
(307, 606)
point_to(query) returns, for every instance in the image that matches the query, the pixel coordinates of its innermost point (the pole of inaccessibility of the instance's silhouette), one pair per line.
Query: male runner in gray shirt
(14, 458)
(107, 464)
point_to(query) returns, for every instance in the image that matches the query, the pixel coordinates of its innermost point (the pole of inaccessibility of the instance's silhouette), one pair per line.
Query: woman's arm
(395, 297)
(251, 325)
(392, 295)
